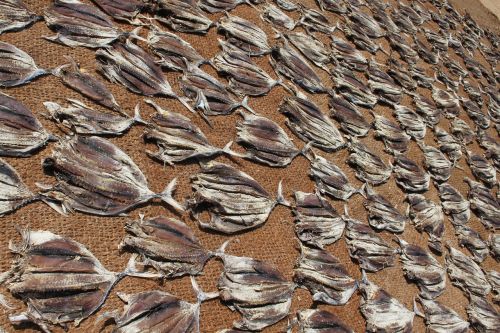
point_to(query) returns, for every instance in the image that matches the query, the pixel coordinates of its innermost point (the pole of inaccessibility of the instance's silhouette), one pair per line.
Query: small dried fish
(320, 321)
(412, 123)
(234, 201)
(466, 274)
(486, 206)
(436, 163)
(183, 16)
(448, 144)
(324, 276)
(462, 131)
(348, 55)
(313, 20)
(353, 89)
(244, 35)
(494, 279)
(422, 268)
(437, 39)
(472, 240)
(475, 114)
(313, 49)
(334, 6)
(454, 204)
(316, 221)
(405, 50)
(403, 22)
(440, 318)
(13, 192)
(445, 100)
(17, 67)
(428, 217)
(441, 76)
(382, 215)
(425, 54)
(491, 145)
(370, 167)
(383, 313)
(257, 290)
(420, 76)
(366, 23)
(96, 177)
(287, 5)
(395, 139)
(409, 175)
(15, 16)
(123, 10)
(265, 141)
(383, 85)
(483, 316)
(277, 17)
(454, 67)
(348, 116)
(359, 39)
(216, 6)
(384, 20)
(401, 75)
(481, 169)
(494, 243)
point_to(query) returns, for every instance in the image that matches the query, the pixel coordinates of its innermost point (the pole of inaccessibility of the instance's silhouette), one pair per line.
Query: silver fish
(351, 120)
(382, 215)
(448, 144)
(313, 20)
(17, 67)
(410, 13)
(370, 167)
(412, 123)
(473, 92)
(494, 279)
(472, 240)
(454, 67)
(491, 145)
(420, 76)
(474, 112)
(287, 5)
(436, 163)
(486, 206)
(454, 204)
(440, 318)
(216, 6)
(277, 17)
(466, 274)
(383, 85)
(183, 16)
(494, 243)
(462, 131)
(481, 169)
(405, 50)
(409, 175)
(319, 321)
(124, 10)
(483, 316)
(395, 139)
(425, 54)
(353, 89)
(348, 55)
(334, 6)
(244, 35)
(15, 16)
(403, 22)
(313, 49)
(13, 192)
(359, 39)
(384, 20)
(436, 39)
(367, 24)
(401, 75)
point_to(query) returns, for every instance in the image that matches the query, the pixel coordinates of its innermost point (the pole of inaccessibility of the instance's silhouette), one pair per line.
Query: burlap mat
(274, 242)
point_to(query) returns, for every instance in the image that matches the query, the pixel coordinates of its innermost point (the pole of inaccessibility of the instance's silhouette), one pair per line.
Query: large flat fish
(17, 67)
(483, 315)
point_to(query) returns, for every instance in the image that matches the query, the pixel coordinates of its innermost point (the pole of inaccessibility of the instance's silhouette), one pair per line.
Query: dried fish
(422, 268)
(277, 17)
(481, 169)
(472, 240)
(15, 16)
(257, 290)
(334, 6)
(462, 131)
(454, 67)
(475, 114)
(369, 166)
(366, 23)
(428, 217)
(353, 89)
(123, 10)
(437, 39)
(216, 6)
(394, 138)
(454, 204)
(446, 100)
(370, 250)
(319, 321)
(244, 35)
(427, 109)
(313, 20)
(383, 313)
(359, 39)
(384, 20)
(167, 245)
(403, 22)
(436, 163)
(425, 54)
(324, 276)
(420, 76)
(17, 67)
(491, 145)
(405, 50)
(265, 141)
(409, 175)
(316, 221)
(383, 85)
(306, 120)
(287, 5)
(440, 318)
(313, 49)
(348, 55)
(382, 215)
(96, 177)
(448, 144)
(80, 24)
(466, 274)
(412, 123)
(234, 201)
(13, 192)
(494, 243)
(486, 206)
(494, 280)
(348, 116)
(482, 315)
(183, 16)
(401, 75)
(441, 76)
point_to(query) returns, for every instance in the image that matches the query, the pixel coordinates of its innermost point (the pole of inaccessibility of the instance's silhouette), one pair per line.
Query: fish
(440, 318)
(420, 76)
(462, 131)
(317, 223)
(454, 204)
(438, 40)
(383, 313)
(383, 85)
(366, 23)
(436, 163)
(410, 121)
(318, 321)
(427, 216)
(483, 316)
(183, 16)
(244, 35)
(313, 20)
(491, 146)
(395, 139)
(481, 169)
(310, 124)
(410, 13)
(277, 17)
(401, 75)
(369, 166)
(216, 6)
(287, 5)
(256, 289)
(494, 243)
(234, 201)
(403, 22)
(324, 276)
(403, 48)
(475, 113)
(422, 268)
(16, 16)
(384, 20)
(334, 6)
(409, 175)
(359, 39)
(494, 279)
(486, 206)
(382, 215)
(441, 76)
(348, 55)
(96, 177)
(265, 141)
(313, 49)
(472, 240)
(79, 24)
(17, 67)
(448, 144)
(13, 192)
(350, 119)
(454, 67)
(124, 10)
(353, 89)
(167, 245)
(466, 274)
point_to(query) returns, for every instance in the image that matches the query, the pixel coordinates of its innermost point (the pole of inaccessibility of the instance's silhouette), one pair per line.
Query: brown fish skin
(15, 16)
(13, 192)
(320, 321)
(183, 16)
(440, 318)
(17, 67)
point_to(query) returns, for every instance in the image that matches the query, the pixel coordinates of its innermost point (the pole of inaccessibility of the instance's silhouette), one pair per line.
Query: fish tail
(202, 296)
(416, 309)
(137, 115)
(244, 104)
(167, 197)
(280, 199)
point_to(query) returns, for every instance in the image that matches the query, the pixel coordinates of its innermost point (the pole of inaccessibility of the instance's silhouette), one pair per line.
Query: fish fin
(202, 296)
(416, 309)
(244, 104)
(167, 197)
(280, 199)
(137, 116)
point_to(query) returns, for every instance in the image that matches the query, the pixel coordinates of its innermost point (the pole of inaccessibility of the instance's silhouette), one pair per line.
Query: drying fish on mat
(383, 85)
(401, 75)
(256, 289)
(410, 13)
(383, 19)
(353, 89)
(96, 177)
(313, 20)
(159, 311)
(81, 119)
(216, 6)
(124, 10)
(409, 175)
(79, 24)
(457, 70)
(17, 67)
(310, 124)
(320, 321)
(491, 145)
(13, 192)
(475, 114)
(420, 76)
(359, 39)
(265, 141)
(428, 217)
(462, 131)
(441, 76)
(422, 268)
(412, 123)
(292, 65)
(406, 51)
(329, 178)
(173, 50)
(454, 204)
(472, 240)
(473, 92)
(483, 315)
(15, 16)
(494, 243)
(234, 201)
(465, 273)
(287, 5)
(334, 6)
(481, 169)
(403, 22)
(486, 206)
(316, 221)
(369, 166)
(244, 76)
(348, 116)
(366, 23)
(348, 55)
(313, 49)
(395, 139)
(167, 245)
(178, 139)
(448, 144)
(438, 41)
(440, 318)
(324, 276)
(436, 163)
(383, 313)
(183, 16)
(493, 109)
(277, 17)
(447, 101)
(425, 54)
(244, 35)
(370, 250)
(382, 215)
(494, 279)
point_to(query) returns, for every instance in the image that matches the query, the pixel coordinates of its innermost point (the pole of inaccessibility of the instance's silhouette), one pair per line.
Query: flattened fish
(382, 215)
(412, 123)
(334, 6)
(244, 35)
(369, 166)
(313, 20)
(462, 131)
(475, 114)
(481, 169)
(440, 318)
(124, 10)
(277, 17)
(324, 276)
(353, 89)
(313, 49)
(486, 206)
(287, 5)
(351, 120)
(383, 85)
(348, 55)
(409, 175)
(494, 243)
(216, 6)
(17, 67)
(405, 50)
(491, 145)
(436, 163)
(96, 177)
(494, 279)
(13, 192)
(483, 316)
(447, 101)
(183, 16)
(427, 216)
(320, 321)
(448, 144)
(358, 38)
(472, 240)
(466, 274)
(426, 108)
(316, 221)
(15, 16)
(366, 23)
(454, 204)
(395, 139)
